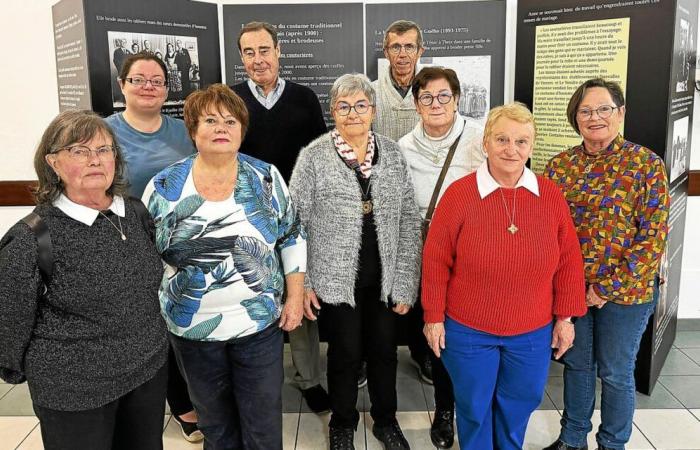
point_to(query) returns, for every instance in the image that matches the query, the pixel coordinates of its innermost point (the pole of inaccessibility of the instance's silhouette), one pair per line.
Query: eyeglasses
(410, 49)
(603, 112)
(361, 107)
(139, 81)
(82, 153)
(426, 99)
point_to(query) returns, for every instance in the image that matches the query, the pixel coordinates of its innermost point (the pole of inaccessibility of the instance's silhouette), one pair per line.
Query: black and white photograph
(662, 305)
(683, 54)
(474, 73)
(179, 53)
(679, 156)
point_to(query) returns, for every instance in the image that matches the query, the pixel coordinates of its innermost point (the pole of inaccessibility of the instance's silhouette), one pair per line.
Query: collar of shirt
(400, 89)
(269, 100)
(83, 213)
(486, 183)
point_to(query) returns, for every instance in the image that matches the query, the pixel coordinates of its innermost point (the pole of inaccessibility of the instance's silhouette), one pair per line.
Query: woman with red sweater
(502, 278)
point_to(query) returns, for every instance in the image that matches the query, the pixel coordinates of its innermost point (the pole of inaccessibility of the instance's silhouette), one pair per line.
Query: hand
(592, 299)
(435, 334)
(401, 309)
(563, 336)
(292, 313)
(310, 300)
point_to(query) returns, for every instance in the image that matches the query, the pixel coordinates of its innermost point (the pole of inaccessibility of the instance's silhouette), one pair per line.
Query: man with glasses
(396, 111)
(284, 118)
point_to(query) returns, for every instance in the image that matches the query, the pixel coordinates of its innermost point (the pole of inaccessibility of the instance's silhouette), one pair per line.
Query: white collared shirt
(269, 100)
(83, 213)
(486, 184)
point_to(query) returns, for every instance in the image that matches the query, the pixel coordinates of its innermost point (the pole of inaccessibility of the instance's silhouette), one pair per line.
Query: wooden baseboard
(17, 193)
(694, 183)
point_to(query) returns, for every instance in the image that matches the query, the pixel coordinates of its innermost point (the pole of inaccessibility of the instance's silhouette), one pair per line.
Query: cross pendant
(512, 228)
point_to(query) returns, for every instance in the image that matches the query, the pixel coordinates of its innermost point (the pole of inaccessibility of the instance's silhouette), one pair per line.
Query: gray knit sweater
(98, 333)
(396, 116)
(328, 198)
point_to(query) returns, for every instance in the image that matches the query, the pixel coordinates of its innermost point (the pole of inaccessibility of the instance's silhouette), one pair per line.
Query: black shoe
(425, 369)
(342, 438)
(442, 431)
(600, 447)
(317, 399)
(559, 445)
(190, 430)
(362, 378)
(391, 436)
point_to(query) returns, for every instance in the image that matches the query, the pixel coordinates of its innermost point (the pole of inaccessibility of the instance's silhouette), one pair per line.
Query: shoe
(425, 369)
(341, 438)
(190, 430)
(317, 399)
(442, 431)
(600, 447)
(391, 436)
(362, 378)
(559, 445)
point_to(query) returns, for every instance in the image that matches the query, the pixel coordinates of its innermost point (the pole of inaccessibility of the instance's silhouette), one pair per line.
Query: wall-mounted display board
(93, 39)
(468, 37)
(648, 47)
(318, 43)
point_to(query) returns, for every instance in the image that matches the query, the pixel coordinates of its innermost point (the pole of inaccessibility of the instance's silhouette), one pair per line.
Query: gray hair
(70, 127)
(351, 84)
(400, 27)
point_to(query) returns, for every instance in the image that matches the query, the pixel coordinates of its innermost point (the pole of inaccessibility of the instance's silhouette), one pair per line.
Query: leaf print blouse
(225, 260)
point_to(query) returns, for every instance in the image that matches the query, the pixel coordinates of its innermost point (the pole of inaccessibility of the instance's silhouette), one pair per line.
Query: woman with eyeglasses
(353, 192)
(446, 141)
(79, 316)
(618, 196)
(151, 141)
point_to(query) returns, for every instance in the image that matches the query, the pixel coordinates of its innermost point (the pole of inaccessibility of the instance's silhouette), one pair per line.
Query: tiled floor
(668, 419)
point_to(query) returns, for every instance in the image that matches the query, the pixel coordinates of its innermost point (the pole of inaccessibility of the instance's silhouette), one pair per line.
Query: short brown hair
(218, 97)
(256, 26)
(71, 127)
(515, 111)
(428, 74)
(401, 27)
(141, 56)
(612, 87)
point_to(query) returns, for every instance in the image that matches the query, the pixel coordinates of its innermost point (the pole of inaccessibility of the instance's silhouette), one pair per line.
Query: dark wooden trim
(694, 183)
(16, 193)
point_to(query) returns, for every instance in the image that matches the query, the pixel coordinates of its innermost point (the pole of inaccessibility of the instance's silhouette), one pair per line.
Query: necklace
(512, 228)
(367, 205)
(120, 229)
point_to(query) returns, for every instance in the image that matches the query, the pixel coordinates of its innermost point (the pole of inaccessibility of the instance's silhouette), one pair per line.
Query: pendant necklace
(512, 228)
(120, 229)
(367, 206)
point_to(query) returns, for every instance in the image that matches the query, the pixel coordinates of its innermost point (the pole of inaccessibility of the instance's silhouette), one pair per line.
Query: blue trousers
(498, 382)
(606, 344)
(236, 389)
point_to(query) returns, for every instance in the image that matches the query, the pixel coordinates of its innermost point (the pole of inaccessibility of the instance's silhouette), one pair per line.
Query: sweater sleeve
(647, 247)
(318, 125)
(439, 253)
(408, 258)
(20, 284)
(291, 239)
(569, 282)
(302, 190)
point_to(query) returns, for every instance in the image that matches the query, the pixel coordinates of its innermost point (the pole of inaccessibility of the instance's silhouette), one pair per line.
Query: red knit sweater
(481, 275)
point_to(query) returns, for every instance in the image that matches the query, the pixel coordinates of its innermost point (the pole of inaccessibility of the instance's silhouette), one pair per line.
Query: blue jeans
(498, 382)
(607, 342)
(236, 389)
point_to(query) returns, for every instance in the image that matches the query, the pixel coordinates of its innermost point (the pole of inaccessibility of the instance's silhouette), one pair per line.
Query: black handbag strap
(441, 179)
(44, 246)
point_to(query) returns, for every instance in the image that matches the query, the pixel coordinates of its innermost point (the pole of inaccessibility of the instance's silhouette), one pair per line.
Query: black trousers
(370, 329)
(178, 397)
(131, 422)
(418, 346)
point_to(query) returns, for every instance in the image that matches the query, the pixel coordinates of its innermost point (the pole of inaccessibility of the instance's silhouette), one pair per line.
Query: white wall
(29, 100)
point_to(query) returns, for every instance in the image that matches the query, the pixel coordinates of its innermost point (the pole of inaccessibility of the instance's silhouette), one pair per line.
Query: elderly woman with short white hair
(354, 197)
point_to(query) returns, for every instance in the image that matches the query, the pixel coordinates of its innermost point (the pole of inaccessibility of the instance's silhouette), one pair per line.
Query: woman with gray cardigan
(354, 197)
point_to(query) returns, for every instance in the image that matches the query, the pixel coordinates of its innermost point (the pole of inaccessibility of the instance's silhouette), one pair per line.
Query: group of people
(406, 217)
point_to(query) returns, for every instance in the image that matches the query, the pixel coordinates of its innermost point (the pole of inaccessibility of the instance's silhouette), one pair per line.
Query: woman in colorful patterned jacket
(618, 196)
(232, 243)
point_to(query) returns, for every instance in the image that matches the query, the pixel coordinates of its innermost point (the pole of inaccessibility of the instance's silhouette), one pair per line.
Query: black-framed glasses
(426, 98)
(361, 107)
(82, 153)
(603, 112)
(140, 81)
(410, 49)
